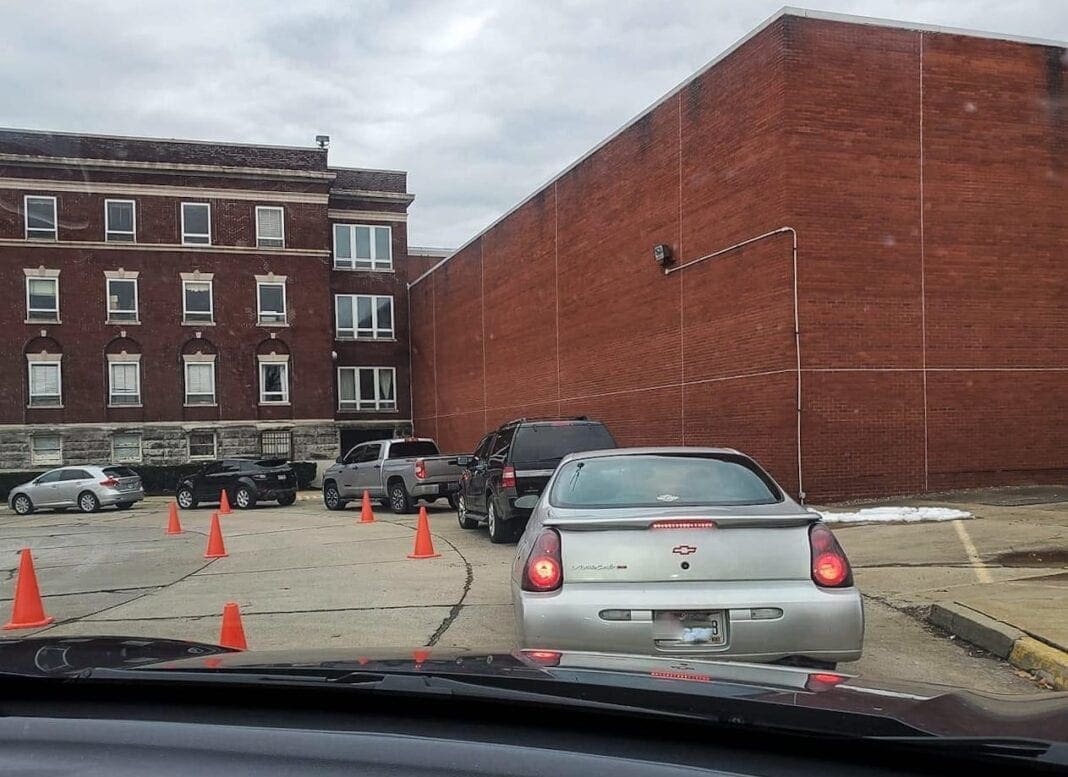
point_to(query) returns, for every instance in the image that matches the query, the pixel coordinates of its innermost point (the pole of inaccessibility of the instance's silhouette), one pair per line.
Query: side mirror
(338, 460)
(527, 502)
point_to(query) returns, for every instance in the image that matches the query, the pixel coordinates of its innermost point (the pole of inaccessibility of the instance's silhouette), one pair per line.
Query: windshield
(551, 442)
(705, 332)
(658, 481)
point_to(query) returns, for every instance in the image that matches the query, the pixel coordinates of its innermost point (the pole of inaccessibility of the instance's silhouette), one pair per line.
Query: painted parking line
(973, 555)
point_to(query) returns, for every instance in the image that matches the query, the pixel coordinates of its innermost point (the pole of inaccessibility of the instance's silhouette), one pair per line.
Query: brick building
(175, 300)
(922, 172)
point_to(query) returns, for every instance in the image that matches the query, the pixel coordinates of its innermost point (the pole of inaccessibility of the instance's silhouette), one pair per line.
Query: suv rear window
(550, 442)
(662, 480)
(271, 463)
(119, 472)
(406, 450)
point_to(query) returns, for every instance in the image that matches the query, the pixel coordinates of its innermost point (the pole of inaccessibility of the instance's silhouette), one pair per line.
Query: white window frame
(107, 226)
(38, 461)
(354, 405)
(137, 301)
(39, 276)
(200, 360)
(130, 459)
(26, 217)
(376, 332)
(262, 281)
(39, 359)
(282, 221)
(211, 302)
(350, 262)
(201, 456)
(124, 360)
(274, 361)
(185, 234)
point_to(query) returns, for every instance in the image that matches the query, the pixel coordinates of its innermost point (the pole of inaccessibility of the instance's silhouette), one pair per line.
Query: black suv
(515, 460)
(246, 481)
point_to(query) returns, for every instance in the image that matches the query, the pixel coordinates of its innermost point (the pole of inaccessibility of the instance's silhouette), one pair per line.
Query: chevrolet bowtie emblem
(684, 550)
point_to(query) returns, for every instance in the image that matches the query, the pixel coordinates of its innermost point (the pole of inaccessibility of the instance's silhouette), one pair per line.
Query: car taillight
(508, 477)
(830, 567)
(420, 469)
(686, 523)
(544, 570)
(823, 682)
(543, 657)
(109, 483)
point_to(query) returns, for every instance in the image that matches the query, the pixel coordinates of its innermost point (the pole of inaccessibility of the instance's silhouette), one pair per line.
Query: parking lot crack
(454, 611)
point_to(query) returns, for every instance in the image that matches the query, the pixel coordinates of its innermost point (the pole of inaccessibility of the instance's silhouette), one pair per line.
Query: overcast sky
(480, 101)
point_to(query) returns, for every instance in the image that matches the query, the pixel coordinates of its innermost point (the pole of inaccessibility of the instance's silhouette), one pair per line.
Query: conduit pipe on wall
(797, 323)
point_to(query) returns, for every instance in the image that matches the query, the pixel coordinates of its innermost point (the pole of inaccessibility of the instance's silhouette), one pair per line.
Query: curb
(1003, 640)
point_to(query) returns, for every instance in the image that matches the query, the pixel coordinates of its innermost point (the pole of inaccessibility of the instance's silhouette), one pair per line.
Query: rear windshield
(407, 450)
(662, 481)
(271, 463)
(551, 442)
(119, 472)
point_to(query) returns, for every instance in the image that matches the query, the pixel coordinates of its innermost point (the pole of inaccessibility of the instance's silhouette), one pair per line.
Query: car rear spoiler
(697, 520)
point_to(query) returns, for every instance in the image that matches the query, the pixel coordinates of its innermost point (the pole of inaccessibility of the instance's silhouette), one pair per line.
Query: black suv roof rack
(525, 420)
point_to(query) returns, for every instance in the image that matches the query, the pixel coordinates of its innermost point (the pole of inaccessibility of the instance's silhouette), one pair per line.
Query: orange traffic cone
(28, 609)
(232, 634)
(216, 548)
(224, 503)
(174, 526)
(366, 513)
(424, 546)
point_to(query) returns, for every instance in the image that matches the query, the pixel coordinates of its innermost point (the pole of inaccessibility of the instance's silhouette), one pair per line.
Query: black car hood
(938, 710)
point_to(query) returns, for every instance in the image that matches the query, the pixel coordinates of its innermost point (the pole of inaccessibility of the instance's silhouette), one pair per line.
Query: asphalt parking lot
(304, 577)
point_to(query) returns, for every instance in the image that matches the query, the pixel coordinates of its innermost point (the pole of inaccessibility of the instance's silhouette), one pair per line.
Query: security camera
(662, 254)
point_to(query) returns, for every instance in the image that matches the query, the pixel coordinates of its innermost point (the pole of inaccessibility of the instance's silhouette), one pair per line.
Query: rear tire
(22, 504)
(124, 505)
(287, 500)
(244, 498)
(466, 521)
(87, 502)
(399, 500)
(500, 532)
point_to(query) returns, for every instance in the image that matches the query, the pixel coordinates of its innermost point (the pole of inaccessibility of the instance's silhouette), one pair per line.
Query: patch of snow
(896, 515)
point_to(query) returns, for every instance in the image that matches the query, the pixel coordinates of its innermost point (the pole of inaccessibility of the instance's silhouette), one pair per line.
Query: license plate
(281, 477)
(127, 486)
(690, 627)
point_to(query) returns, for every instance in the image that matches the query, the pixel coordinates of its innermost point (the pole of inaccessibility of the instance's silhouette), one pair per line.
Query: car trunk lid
(127, 479)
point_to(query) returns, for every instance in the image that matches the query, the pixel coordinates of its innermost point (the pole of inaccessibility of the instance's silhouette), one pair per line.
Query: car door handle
(378, 466)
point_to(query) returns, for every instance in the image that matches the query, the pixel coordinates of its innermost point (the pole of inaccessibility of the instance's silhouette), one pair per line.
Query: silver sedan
(85, 487)
(693, 552)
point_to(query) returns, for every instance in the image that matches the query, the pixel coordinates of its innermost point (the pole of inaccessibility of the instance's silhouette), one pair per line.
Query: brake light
(420, 469)
(543, 657)
(823, 682)
(695, 678)
(688, 523)
(109, 483)
(508, 477)
(544, 570)
(830, 567)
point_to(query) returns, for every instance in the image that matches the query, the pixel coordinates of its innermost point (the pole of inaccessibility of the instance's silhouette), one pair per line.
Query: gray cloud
(480, 101)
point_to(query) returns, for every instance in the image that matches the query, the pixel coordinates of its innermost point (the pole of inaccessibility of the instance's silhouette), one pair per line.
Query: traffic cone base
(27, 612)
(424, 545)
(216, 548)
(224, 503)
(367, 515)
(174, 526)
(232, 633)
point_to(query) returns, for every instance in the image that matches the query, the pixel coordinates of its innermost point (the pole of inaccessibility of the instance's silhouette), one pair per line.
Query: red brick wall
(931, 272)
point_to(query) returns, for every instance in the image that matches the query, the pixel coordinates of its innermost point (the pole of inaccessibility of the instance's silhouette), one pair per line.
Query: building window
(46, 449)
(46, 383)
(42, 299)
(120, 221)
(125, 383)
(363, 316)
(196, 223)
(197, 303)
(359, 247)
(40, 218)
(277, 443)
(201, 445)
(200, 382)
(271, 302)
(126, 447)
(122, 300)
(270, 227)
(367, 388)
(274, 383)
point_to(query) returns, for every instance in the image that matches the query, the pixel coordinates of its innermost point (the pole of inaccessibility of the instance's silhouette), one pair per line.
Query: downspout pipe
(797, 321)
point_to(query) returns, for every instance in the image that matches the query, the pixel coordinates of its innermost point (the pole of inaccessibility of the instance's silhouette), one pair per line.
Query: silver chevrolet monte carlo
(688, 551)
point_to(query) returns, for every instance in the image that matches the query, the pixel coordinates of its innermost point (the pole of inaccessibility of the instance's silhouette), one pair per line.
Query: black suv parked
(515, 460)
(246, 481)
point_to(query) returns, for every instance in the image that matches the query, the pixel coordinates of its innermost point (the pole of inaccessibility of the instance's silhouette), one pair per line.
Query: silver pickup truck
(395, 472)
